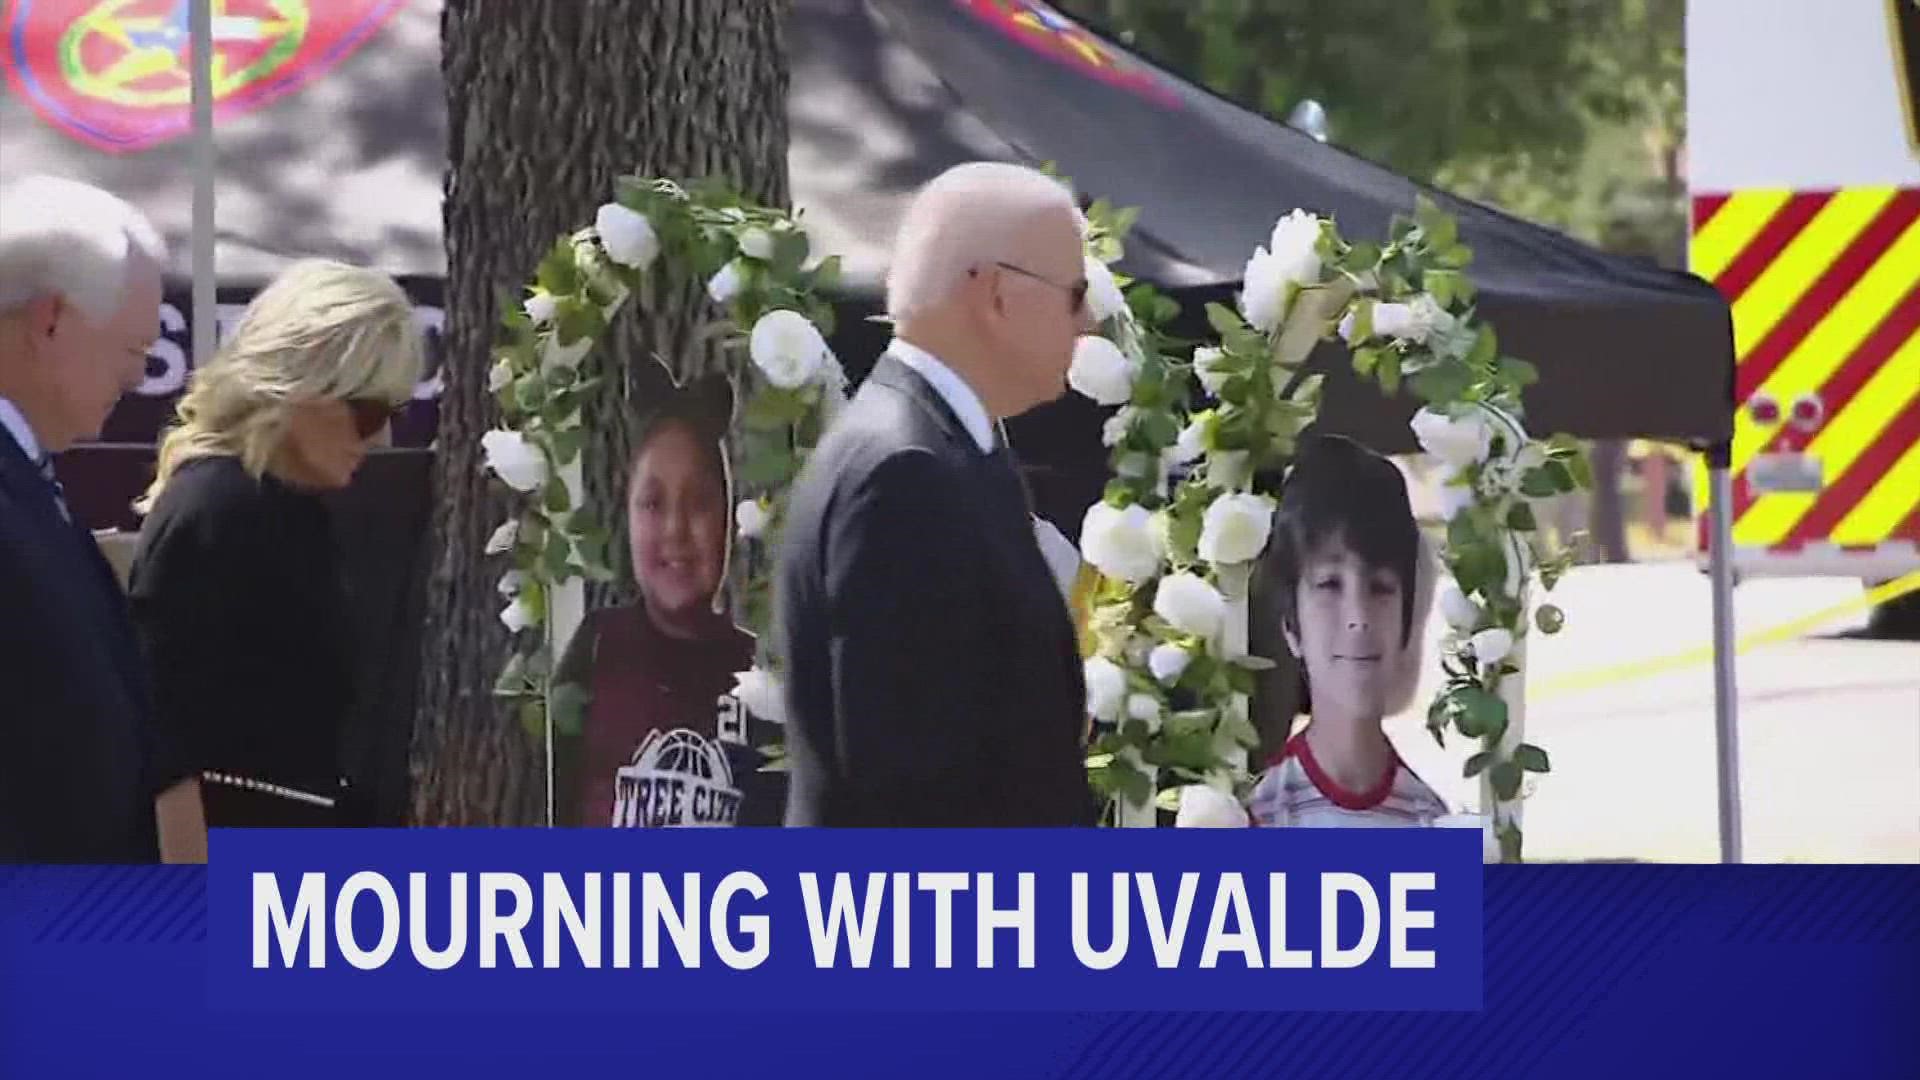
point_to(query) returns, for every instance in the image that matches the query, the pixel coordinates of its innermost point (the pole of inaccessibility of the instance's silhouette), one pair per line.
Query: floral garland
(1176, 565)
(755, 264)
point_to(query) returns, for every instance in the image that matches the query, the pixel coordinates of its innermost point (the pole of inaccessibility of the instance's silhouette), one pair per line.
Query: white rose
(1101, 371)
(541, 307)
(1456, 494)
(1205, 807)
(1116, 426)
(1491, 646)
(1429, 319)
(1168, 662)
(762, 693)
(1207, 362)
(1459, 610)
(1291, 258)
(1416, 321)
(757, 243)
(627, 235)
(1106, 688)
(517, 616)
(1191, 444)
(499, 376)
(510, 584)
(1228, 469)
(789, 350)
(1104, 297)
(1190, 605)
(1458, 441)
(725, 285)
(503, 538)
(515, 460)
(1235, 527)
(751, 518)
(1121, 543)
(1144, 708)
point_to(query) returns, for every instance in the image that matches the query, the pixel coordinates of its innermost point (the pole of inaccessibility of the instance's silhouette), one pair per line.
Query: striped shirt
(1296, 791)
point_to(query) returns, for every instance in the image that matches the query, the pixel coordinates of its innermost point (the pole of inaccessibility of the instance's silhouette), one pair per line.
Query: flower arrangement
(758, 273)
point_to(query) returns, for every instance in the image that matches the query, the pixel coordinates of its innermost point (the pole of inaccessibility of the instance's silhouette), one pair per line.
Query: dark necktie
(45, 464)
(1006, 472)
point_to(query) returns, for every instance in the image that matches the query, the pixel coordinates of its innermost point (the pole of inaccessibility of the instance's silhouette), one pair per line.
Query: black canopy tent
(346, 160)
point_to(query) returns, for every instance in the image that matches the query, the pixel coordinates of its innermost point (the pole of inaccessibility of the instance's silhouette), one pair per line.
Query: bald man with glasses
(933, 674)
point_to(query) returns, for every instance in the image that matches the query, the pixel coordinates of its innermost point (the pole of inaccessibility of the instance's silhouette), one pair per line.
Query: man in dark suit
(933, 676)
(80, 767)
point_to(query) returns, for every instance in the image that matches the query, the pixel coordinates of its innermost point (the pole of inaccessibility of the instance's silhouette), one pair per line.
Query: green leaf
(1519, 372)
(1184, 536)
(569, 708)
(1366, 361)
(567, 444)
(1364, 256)
(1560, 475)
(1520, 518)
(1390, 372)
(1442, 284)
(556, 499)
(1538, 484)
(1509, 835)
(1484, 711)
(1443, 382)
(1531, 758)
(1478, 763)
(559, 552)
(1223, 319)
(558, 273)
(1579, 469)
(789, 251)
(1506, 781)
(1486, 346)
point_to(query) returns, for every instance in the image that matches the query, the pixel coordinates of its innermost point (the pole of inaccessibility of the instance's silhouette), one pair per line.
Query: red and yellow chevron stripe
(1825, 289)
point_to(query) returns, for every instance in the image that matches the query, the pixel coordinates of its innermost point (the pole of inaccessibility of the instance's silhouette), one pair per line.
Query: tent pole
(1726, 707)
(205, 299)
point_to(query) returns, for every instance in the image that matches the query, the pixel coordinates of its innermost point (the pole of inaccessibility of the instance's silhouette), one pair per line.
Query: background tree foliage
(1567, 112)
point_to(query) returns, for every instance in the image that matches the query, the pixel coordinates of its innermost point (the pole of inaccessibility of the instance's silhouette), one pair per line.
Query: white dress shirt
(16, 424)
(952, 389)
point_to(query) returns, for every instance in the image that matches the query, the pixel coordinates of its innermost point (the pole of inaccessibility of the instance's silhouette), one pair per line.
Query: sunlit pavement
(1829, 728)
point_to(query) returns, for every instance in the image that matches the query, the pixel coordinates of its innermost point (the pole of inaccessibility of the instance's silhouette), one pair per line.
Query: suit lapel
(74, 546)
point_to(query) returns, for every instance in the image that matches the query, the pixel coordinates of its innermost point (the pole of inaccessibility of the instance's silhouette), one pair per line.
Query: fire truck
(1804, 172)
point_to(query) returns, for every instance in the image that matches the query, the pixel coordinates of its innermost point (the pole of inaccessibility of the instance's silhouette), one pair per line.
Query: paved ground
(1829, 728)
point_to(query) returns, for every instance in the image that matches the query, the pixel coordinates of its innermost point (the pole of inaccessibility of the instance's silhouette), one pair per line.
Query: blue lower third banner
(678, 920)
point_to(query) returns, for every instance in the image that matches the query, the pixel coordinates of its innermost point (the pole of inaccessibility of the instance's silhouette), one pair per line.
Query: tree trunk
(546, 104)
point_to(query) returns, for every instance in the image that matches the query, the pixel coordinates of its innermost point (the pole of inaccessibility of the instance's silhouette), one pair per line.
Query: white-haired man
(933, 676)
(80, 763)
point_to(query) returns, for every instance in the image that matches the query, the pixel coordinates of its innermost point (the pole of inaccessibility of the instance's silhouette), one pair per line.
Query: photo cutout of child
(663, 742)
(1339, 601)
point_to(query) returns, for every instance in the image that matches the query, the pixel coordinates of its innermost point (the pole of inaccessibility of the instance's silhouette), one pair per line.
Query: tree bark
(547, 103)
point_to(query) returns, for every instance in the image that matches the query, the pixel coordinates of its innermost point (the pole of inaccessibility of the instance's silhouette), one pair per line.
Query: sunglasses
(370, 415)
(1076, 292)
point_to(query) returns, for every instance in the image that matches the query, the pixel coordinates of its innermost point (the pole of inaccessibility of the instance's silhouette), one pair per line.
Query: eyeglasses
(1076, 292)
(370, 415)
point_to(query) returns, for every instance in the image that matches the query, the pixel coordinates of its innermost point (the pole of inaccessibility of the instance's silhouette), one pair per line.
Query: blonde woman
(236, 585)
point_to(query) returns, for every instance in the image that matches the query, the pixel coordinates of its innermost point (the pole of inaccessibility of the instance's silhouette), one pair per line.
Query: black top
(241, 608)
(80, 760)
(933, 673)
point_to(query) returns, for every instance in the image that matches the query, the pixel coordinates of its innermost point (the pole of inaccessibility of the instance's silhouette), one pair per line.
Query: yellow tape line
(1789, 631)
